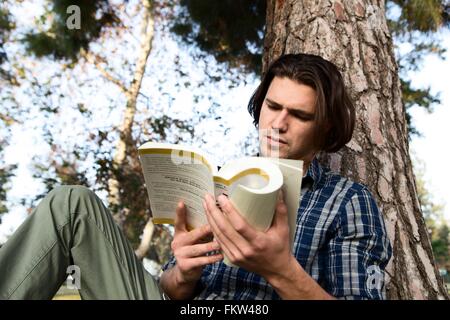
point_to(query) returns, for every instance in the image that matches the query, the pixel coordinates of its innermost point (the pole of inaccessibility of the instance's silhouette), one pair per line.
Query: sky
(434, 147)
(26, 142)
(431, 148)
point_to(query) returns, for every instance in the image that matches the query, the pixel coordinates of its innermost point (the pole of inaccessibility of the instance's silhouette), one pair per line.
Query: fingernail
(280, 195)
(221, 198)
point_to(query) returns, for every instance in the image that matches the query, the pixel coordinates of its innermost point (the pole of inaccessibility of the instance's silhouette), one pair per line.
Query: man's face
(288, 109)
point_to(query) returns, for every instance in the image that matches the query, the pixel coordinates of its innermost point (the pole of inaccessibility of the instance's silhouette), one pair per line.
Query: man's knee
(72, 195)
(80, 191)
(74, 199)
(75, 190)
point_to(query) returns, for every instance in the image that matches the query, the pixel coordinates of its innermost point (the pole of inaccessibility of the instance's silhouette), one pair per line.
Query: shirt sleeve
(169, 264)
(359, 251)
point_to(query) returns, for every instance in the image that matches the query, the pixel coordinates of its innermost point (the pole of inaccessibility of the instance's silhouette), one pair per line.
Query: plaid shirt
(340, 241)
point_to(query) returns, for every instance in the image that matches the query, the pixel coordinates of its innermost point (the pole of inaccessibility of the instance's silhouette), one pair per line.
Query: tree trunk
(354, 35)
(125, 135)
(125, 159)
(147, 235)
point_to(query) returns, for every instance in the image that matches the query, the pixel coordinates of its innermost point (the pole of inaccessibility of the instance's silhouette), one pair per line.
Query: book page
(292, 171)
(249, 178)
(253, 186)
(220, 187)
(169, 181)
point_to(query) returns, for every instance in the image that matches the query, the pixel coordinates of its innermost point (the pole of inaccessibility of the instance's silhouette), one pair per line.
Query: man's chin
(274, 153)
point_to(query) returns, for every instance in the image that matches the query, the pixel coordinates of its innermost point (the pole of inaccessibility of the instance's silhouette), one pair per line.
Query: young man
(341, 247)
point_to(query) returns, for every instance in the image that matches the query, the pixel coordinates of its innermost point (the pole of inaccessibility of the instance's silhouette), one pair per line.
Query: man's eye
(273, 107)
(302, 118)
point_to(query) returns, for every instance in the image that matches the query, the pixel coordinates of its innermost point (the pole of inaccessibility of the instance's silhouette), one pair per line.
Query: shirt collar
(314, 174)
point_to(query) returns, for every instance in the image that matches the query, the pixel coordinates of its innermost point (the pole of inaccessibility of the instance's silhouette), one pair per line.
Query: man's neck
(306, 163)
(305, 167)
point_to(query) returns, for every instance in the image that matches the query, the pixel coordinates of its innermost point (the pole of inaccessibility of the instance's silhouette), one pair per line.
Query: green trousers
(71, 229)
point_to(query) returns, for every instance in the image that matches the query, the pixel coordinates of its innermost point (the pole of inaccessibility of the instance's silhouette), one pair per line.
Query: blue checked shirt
(340, 241)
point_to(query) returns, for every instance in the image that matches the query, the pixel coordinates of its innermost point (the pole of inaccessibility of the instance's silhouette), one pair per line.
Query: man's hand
(189, 248)
(265, 253)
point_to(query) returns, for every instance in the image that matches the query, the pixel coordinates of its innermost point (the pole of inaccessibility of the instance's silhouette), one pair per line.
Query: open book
(176, 172)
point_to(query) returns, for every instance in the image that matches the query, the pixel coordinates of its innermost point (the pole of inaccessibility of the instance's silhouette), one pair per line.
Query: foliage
(417, 23)
(8, 113)
(434, 218)
(420, 97)
(6, 26)
(421, 15)
(232, 33)
(60, 42)
(232, 30)
(6, 173)
(441, 245)
(134, 207)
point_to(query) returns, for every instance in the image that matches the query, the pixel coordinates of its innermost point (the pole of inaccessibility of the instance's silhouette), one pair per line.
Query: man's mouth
(276, 140)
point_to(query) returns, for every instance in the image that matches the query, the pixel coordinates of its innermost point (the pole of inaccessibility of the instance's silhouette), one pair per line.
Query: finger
(197, 250)
(236, 219)
(281, 215)
(197, 235)
(180, 219)
(281, 196)
(204, 260)
(226, 251)
(221, 227)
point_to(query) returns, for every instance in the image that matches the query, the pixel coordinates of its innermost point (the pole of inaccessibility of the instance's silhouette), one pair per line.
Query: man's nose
(281, 121)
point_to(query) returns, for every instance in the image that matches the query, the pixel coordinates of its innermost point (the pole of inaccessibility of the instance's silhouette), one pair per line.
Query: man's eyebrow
(295, 112)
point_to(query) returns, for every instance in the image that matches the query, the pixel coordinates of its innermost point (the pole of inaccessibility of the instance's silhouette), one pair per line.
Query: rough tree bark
(354, 35)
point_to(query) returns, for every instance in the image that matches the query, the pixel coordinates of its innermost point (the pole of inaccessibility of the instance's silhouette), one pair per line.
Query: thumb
(281, 216)
(281, 195)
(180, 218)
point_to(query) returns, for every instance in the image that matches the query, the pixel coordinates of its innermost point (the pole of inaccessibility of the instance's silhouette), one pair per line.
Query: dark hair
(333, 104)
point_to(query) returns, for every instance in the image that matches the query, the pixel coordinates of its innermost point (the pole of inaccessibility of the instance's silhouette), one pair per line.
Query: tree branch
(147, 235)
(97, 60)
(146, 48)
